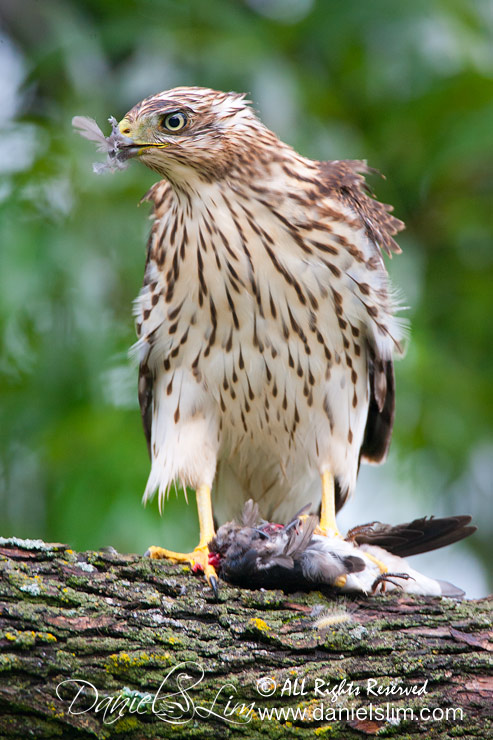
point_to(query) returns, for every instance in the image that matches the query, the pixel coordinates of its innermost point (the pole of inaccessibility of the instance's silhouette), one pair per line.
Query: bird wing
(344, 180)
(413, 538)
(146, 384)
(380, 420)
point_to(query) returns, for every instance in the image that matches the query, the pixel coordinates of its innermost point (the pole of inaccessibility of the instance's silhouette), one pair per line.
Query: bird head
(191, 131)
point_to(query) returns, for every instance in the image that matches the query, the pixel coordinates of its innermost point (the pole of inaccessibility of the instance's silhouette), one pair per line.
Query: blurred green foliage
(408, 86)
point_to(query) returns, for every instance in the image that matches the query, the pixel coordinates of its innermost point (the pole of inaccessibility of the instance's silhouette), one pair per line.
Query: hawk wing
(345, 180)
(146, 384)
(380, 421)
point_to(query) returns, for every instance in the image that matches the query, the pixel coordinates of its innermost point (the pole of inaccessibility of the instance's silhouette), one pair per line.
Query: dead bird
(260, 554)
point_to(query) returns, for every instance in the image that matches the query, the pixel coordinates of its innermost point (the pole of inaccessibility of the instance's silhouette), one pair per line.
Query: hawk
(266, 324)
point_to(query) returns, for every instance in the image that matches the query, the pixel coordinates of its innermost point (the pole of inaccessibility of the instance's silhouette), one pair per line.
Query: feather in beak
(119, 148)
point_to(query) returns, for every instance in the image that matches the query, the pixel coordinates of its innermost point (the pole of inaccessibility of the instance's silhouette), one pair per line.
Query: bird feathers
(114, 144)
(420, 535)
(266, 322)
(257, 553)
(266, 334)
(345, 179)
(266, 283)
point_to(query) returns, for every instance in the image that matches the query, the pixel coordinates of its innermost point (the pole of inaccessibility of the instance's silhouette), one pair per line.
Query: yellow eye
(174, 121)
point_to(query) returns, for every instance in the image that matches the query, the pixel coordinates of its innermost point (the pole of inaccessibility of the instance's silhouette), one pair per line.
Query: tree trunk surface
(104, 645)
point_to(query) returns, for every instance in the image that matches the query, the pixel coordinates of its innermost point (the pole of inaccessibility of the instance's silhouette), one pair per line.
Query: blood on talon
(197, 568)
(214, 559)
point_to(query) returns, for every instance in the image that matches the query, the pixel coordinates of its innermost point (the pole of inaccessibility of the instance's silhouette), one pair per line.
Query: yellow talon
(340, 581)
(199, 557)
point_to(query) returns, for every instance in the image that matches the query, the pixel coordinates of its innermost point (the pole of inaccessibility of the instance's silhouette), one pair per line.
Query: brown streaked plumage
(266, 324)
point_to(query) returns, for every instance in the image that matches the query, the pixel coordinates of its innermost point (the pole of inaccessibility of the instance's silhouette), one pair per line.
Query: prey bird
(254, 553)
(266, 324)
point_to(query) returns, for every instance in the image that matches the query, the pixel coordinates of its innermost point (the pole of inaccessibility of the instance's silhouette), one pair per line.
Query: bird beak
(125, 127)
(136, 147)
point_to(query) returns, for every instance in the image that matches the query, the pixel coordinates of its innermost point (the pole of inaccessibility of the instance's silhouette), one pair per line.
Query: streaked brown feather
(343, 179)
(262, 294)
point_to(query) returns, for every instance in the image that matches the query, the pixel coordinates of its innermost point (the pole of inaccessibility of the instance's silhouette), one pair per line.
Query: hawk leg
(328, 524)
(199, 557)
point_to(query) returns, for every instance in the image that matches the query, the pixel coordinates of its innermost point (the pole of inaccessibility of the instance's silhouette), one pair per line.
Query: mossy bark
(129, 626)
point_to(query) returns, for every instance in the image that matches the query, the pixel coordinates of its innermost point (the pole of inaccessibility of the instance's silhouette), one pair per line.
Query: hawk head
(192, 130)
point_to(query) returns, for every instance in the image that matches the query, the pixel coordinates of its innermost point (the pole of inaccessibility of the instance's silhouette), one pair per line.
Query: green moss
(68, 595)
(27, 638)
(9, 662)
(262, 599)
(89, 644)
(125, 663)
(32, 586)
(166, 637)
(126, 724)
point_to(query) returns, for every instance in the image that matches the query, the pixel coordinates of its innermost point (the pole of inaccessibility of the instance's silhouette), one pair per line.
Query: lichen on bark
(124, 624)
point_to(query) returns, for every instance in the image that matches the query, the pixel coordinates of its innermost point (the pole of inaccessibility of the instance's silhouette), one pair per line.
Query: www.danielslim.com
(376, 712)
(177, 701)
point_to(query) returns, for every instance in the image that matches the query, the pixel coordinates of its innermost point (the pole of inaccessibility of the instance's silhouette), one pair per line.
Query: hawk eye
(174, 121)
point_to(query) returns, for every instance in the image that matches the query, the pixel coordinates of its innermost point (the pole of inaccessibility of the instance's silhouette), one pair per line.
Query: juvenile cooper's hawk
(266, 324)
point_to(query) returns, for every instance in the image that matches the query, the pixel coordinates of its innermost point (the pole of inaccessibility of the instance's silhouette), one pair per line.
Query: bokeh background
(408, 86)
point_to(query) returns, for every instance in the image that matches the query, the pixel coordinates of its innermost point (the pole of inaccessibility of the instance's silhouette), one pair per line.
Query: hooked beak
(125, 128)
(135, 148)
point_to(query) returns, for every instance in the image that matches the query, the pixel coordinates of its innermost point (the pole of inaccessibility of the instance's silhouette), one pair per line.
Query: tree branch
(126, 625)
